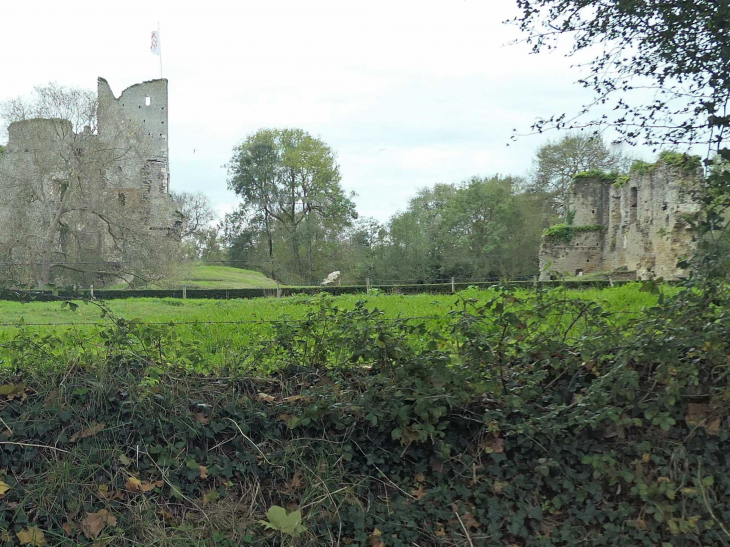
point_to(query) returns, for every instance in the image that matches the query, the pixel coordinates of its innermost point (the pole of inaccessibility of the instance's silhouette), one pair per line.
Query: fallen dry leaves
(88, 432)
(467, 518)
(493, 444)
(700, 415)
(375, 539)
(134, 484)
(105, 494)
(14, 391)
(32, 536)
(94, 523)
(202, 418)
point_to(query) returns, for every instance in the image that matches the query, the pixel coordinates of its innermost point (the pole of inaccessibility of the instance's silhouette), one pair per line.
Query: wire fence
(299, 321)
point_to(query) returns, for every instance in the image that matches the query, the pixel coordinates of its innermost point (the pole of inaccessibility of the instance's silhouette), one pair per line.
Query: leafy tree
(289, 183)
(477, 229)
(676, 49)
(558, 161)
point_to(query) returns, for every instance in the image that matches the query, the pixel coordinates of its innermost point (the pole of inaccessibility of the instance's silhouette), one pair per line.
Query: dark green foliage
(641, 167)
(678, 48)
(534, 437)
(564, 233)
(597, 175)
(683, 162)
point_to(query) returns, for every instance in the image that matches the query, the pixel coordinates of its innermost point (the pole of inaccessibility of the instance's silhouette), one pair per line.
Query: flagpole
(158, 37)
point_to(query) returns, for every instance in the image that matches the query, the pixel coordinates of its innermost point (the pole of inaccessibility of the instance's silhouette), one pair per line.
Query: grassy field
(202, 276)
(626, 298)
(224, 329)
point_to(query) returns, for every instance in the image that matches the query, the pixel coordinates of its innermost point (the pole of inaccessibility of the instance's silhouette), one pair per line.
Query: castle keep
(144, 106)
(93, 204)
(630, 227)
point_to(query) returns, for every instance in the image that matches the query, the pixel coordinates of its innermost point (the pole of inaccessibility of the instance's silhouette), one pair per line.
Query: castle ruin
(89, 205)
(627, 227)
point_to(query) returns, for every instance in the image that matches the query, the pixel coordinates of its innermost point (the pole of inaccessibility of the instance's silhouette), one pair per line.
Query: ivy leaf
(3, 488)
(32, 536)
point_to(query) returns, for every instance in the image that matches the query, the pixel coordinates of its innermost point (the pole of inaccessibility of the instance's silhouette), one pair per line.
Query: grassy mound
(204, 276)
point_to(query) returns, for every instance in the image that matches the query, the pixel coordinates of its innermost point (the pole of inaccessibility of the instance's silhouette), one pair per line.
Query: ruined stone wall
(643, 230)
(583, 254)
(123, 180)
(143, 107)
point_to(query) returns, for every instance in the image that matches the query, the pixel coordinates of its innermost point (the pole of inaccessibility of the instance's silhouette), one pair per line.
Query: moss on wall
(564, 233)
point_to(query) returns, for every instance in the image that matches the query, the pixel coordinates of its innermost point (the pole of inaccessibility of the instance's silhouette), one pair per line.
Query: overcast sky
(407, 92)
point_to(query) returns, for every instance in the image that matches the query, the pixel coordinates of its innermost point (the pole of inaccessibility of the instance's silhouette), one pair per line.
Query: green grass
(244, 323)
(225, 277)
(200, 276)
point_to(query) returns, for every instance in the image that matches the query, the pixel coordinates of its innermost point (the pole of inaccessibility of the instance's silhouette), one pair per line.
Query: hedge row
(363, 431)
(225, 294)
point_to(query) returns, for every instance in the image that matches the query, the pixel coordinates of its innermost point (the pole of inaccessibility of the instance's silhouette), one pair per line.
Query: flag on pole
(155, 46)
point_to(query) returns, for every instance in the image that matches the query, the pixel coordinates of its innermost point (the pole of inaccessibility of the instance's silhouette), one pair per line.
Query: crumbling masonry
(631, 228)
(146, 106)
(124, 169)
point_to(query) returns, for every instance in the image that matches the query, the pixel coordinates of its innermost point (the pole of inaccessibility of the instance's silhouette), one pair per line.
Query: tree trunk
(295, 251)
(44, 276)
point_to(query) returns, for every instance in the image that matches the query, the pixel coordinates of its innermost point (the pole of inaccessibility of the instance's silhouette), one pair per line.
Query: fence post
(453, 285)
(92, 292)
(185, 292)
(278, 290)
(367, 285)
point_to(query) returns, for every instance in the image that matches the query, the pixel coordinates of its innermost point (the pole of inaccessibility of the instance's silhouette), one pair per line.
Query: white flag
(155, 46)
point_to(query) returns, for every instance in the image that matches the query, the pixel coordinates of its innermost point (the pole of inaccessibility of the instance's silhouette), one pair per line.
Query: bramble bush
(501, 425)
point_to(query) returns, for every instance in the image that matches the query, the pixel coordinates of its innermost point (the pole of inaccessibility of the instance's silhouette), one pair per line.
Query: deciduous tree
(289, 183)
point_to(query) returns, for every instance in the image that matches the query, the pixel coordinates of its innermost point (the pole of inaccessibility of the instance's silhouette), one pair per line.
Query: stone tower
(144, 104)
(144, 107)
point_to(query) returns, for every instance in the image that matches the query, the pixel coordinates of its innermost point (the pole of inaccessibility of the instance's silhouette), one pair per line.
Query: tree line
(296, 223)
